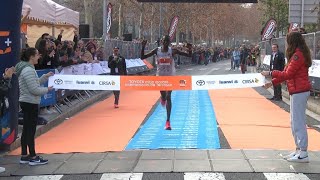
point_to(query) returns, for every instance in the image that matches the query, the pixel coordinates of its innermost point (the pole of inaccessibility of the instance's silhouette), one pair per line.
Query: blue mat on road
(193, 123)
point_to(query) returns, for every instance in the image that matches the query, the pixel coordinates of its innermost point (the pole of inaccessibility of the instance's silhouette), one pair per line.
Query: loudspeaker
(84, 30)
(127, 37)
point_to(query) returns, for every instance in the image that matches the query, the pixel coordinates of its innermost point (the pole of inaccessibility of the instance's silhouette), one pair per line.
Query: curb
(63, 117)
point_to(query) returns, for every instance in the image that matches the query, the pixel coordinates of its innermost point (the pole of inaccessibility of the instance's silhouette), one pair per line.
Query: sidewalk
(223, 160)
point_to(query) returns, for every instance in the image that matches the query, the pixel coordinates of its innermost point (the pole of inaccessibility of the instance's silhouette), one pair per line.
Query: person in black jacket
(117, 65)
(277, 63)
(243, 59)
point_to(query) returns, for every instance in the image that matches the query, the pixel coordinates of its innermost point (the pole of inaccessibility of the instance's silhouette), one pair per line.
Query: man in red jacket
(296, 75)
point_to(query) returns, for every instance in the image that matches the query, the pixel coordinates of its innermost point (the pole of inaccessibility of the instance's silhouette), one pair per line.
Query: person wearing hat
(117, 65)
(165, 67)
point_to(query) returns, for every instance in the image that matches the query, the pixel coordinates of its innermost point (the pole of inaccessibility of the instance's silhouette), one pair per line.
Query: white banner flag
(227, 81)
(314, 70)
(85, 82)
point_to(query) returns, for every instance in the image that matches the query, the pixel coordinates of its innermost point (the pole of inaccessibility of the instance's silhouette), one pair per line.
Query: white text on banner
(227, 81)
(85, 82)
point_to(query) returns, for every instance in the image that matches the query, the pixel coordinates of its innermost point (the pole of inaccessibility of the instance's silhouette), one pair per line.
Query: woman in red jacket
(296, 75)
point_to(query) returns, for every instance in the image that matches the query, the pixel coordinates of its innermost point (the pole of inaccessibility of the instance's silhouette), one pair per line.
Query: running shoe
(38, 161)
(168, 126)
(24, 159)
(301, 157)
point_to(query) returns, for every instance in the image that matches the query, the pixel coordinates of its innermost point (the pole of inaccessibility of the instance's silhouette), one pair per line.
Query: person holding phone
(30, 96)
(117, 65)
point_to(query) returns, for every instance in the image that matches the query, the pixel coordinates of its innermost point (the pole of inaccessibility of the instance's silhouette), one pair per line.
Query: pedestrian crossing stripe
(53, 177)
(186, 176)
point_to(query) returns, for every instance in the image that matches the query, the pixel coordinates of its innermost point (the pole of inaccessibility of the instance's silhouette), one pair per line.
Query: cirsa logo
(58, 81)
(200, 82)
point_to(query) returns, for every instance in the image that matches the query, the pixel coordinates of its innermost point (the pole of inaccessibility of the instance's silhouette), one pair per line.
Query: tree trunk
(141, 19)
(177, 34)
(151, 25)
(88, 15)
(120, 32)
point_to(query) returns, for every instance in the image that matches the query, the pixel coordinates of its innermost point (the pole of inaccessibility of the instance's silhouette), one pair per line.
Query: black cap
(116, 47)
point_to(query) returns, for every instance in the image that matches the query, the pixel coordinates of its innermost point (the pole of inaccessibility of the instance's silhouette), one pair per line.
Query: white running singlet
(165, 63)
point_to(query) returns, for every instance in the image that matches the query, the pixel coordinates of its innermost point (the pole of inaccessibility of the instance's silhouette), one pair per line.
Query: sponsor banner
(173, 27)
(85, 82)
(227, 81)
(155, 82)
(269, 28)
(314, 70)
(9, 56)
(95, 82)
(49, 98)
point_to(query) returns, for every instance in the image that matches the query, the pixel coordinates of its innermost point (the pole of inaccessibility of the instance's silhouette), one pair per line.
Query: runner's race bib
(165, 61)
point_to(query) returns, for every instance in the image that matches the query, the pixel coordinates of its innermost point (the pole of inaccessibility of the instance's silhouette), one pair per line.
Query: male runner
(165, 67)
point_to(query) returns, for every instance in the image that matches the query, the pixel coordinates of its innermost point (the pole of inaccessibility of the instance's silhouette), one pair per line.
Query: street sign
(307, 16)
(200, 1)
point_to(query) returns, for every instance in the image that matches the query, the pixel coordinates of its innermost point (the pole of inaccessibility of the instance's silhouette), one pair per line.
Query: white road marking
(204, 176)
(285, 176)
(122, 176)
(51, 177)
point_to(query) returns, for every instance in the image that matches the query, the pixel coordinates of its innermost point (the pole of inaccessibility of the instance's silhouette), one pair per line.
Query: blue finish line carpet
(193, 123)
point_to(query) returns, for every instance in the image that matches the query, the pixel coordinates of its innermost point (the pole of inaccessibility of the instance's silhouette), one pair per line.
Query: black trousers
(30, 117)
(116, 97)
(277, 91)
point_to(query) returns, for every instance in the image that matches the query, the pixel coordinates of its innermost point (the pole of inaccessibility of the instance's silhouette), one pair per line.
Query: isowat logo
(200, 82)
(58, 81)
(228, 82)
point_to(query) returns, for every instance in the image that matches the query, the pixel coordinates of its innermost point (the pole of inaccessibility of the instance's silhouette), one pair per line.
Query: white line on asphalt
(189, 69)
(202, 69)
(204, 176)
(284, 176)
(51, 177)
(213, 69)
(121, 176)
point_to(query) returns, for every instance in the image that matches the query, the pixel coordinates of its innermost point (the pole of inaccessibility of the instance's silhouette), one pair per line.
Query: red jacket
(295, 73)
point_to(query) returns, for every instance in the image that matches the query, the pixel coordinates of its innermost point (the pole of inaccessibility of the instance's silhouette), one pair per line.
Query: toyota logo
(58, 81)
(200, 82)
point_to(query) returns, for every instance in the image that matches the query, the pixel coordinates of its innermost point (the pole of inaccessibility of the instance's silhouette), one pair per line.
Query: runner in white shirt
(165, 67)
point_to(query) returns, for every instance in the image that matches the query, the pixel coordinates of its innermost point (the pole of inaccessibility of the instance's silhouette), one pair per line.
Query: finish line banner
(107, 82)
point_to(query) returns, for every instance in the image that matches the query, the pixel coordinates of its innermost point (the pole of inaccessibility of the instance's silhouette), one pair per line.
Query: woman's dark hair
(42, 47)
(295, 40)
(27, 53)
(43, 35)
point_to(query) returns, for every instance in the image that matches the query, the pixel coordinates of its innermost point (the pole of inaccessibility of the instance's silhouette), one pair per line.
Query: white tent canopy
(41, 10)
(65, 15)
(49, 11)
